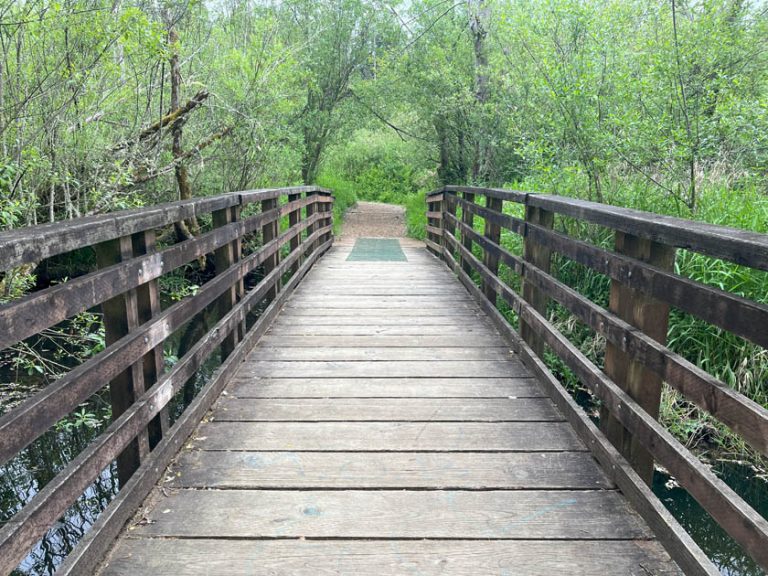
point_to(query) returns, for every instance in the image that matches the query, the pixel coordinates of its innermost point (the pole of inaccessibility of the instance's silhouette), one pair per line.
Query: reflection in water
(715, 543)
(33, 468)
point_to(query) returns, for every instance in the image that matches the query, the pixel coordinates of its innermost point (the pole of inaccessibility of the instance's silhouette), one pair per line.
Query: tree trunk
(479, 16)
(184, 230)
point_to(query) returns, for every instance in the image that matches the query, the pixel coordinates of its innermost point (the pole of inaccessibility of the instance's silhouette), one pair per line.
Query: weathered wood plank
(279, 338)
(393, 369)
(470, 331)
(378, 436)
(233, 409)
(401, 514)
(740, 246)
(385, 388)
(412, 313)
(183, 557)
(323, 470)
(376, 354)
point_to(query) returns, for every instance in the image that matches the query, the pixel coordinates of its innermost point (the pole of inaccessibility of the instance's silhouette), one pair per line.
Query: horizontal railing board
(40, 310)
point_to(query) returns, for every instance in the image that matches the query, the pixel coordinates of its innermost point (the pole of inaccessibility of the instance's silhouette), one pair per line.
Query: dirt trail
(374, 220)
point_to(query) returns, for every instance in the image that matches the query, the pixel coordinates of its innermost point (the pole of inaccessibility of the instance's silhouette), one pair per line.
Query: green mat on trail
(377, 250)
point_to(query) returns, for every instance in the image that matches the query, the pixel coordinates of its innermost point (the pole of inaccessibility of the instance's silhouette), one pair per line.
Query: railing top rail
(35, 243)
(743, 247)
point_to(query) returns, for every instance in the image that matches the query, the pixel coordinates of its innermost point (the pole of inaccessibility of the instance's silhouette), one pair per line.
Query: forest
(661, 106)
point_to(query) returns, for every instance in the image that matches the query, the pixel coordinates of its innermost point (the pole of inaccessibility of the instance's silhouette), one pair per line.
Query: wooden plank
(476, 330)
(412, 313)
(392, 369)
(325, 470)
(278, 338)
(560, 514)
(233, 409)
(416, 306)
(389, 301)
(383, 436)
(375, 354)
(385, 388)
(491, 215)
(740, 246)
(501, 194)
(728, 311)
(380, 320)
(33, 244)
(184, 557)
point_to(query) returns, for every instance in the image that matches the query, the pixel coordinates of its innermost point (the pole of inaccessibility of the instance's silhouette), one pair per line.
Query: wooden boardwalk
(382, 427)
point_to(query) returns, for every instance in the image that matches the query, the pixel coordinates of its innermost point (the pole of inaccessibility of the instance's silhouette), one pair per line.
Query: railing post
(311, 211)
(541, 257)
(328, 220)
(435, 207)
(467, 218)
(492, 233)
(270, 231)
(652, 317)
(148, 305)
(225, 257)
(294, 218)
(449, 226)
(120, 317)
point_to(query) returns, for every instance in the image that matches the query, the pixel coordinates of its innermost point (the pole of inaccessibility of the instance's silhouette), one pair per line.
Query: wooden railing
(637, 362)
(125, 285)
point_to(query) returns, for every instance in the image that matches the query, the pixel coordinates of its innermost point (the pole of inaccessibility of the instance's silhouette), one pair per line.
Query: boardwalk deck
(382, 427)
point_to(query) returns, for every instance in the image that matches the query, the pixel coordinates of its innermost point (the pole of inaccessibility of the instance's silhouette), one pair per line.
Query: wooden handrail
(634, 275)
(310, 215)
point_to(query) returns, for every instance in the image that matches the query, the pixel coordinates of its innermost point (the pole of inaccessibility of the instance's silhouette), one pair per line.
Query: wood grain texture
(560, 514)
(378, 436)
(376, 354)
(466, 471)
(232, 409)
(385, 388)
(426, 558)
(279, 338)
(401, 328)
(393, 369)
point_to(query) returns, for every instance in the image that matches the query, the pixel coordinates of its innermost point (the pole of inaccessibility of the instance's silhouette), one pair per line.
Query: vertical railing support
(435, 207)
(493, 233)
(652, 317)
(120, 317)
(467, 218)
(328, 207)
(311, 211)
(540, 257)
(449, 212)
(225, 257)
(269, 232)
(294, 217)
(148, 305)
